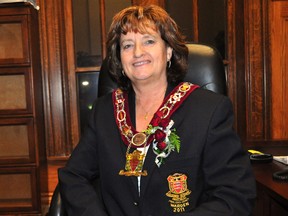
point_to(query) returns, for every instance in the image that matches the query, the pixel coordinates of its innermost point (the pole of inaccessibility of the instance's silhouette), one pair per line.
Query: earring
(123, 73)
(169, 63)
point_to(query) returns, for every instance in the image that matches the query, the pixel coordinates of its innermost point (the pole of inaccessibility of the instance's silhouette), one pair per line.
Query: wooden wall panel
(54, 69)
(279, 69)
(13, 92)
(60, 103)
(14, 39)
(11, 41)
(231, 35)
(18, 187)
(14, 141)
(255, 49)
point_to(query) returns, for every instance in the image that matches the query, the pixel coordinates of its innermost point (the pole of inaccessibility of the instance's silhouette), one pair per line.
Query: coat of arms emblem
(178, 192)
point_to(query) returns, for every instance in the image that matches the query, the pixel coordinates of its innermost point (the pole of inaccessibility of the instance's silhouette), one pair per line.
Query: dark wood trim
(254, 69)
(52, 66)
(195, 20)
(268, 70)
(231, 57)
(69, 77)
(103, 27)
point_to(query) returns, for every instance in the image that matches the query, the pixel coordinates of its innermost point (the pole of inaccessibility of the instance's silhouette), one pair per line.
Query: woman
(156, 146)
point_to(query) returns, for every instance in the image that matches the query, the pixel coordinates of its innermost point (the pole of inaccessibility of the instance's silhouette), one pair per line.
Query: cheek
(123, 59)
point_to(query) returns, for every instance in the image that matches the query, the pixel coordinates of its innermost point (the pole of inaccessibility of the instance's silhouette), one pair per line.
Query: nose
(138, 50)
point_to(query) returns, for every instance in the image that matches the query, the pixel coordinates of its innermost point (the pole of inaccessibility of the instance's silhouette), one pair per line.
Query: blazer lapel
(149, 163)
(132, 112)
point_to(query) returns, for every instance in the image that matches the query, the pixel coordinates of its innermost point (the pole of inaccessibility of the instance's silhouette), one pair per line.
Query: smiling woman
(163, 31)
(144, 58)
(167, 162)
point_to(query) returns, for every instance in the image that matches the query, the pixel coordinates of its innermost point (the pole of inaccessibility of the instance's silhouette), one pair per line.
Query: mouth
(140, 63)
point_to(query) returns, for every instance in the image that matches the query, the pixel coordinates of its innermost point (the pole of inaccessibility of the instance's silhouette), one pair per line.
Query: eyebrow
(144, 37)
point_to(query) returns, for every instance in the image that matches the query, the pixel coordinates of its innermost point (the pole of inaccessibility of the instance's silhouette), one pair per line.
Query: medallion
(139, 139)
(134, 164)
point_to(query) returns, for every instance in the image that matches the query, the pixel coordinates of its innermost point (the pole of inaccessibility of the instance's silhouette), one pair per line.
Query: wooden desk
(272, 196)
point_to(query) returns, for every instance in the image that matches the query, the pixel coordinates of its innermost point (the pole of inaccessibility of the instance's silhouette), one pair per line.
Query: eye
(126, 46)
(149, 41)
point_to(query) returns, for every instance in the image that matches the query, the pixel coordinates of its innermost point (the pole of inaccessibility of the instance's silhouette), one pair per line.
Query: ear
(169, 53)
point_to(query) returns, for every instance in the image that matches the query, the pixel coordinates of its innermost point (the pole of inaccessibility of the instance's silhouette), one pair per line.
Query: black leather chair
(56, 206)
(205, 68)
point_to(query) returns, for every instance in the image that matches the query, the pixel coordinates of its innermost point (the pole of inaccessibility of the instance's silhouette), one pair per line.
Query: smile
(140, 63)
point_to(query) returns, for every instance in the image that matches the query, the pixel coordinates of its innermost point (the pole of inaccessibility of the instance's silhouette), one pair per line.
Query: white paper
(32, 2)
(281, 159)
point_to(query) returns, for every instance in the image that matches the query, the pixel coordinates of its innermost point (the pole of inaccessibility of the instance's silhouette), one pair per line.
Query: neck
(150, 92)
(147, 103)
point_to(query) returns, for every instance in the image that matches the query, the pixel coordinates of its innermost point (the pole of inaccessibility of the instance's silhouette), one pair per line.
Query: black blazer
(219, 176)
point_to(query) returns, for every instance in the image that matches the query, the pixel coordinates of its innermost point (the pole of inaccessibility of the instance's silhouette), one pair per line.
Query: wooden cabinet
(21, 134)
(272, 195)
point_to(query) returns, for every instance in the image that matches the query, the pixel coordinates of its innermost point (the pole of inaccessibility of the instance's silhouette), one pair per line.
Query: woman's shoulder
(204, 97)
(208, 93)
(103, 102)
(104, 98)
(196, 90)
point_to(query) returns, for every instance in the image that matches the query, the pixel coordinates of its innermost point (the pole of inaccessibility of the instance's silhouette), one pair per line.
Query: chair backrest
(205, 68)
(56, 206)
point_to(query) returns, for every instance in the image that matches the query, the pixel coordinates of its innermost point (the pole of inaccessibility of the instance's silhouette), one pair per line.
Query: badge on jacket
(178, 192)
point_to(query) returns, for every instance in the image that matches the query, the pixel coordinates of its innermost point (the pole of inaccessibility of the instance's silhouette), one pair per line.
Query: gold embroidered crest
(134, 165)
(178, 192)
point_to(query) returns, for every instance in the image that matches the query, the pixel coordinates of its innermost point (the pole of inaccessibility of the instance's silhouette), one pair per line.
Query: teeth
(140, 63)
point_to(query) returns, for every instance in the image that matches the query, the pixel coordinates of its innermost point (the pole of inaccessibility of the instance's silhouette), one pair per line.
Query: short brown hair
(139, 19)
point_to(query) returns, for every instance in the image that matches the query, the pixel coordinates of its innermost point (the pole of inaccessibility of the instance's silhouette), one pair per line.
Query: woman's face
(144, 57)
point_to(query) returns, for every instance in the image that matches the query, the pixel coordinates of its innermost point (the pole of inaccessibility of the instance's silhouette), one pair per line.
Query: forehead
(142, 26)
(146, 34)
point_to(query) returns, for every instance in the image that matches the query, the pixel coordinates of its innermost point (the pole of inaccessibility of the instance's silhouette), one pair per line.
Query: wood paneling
(16, 92)
(255, 45)
(13, 92)
(260, 74)
(231, 68)
(14, 141)
(195, 20)
(279, 69)
(55, 52)
(103, 27)
(14, 38)
(11, 41)
(21, 111)
(60, 95)
(18, 190)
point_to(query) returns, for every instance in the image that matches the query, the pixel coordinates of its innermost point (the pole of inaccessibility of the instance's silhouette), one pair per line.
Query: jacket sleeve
(229, 181)
(77, 179)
